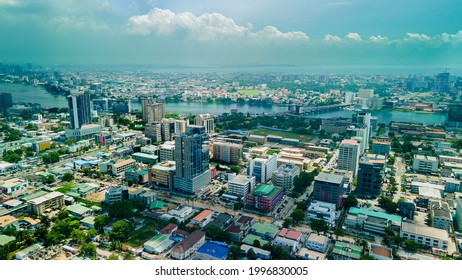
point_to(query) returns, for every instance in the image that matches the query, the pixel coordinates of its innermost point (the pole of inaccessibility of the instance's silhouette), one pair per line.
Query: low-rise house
(158, 244)
(168, 229)
(221, 221)
(259, 253)
(79, 211)
(317, 242)
(322, 211)
(264, 230)
(289, 239)
(203, 218)
(250, 240)
(8, 221)
(212, 251)
(179, 214)
(5, 239)
(13, 185)
(425, 235)
(25, 253)
(188, 246)
(88, 222)
(240, 228)
(85, 189)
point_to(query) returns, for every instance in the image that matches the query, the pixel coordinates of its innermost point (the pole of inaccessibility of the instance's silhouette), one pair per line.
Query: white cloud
(353, 36)
(451, 38)
(9, 2)
(332, 38)
(378, 39)
(208, 26)
(417, 37)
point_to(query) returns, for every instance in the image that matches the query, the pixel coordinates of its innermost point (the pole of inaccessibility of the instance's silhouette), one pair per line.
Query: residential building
(425, 164)
(180, 214)
(372, 220)
(188, 245)
(328, 188)
(167, 151)
(440, 214)
(370, 176)
(169, 229)
(5, 239)
(162, 174)
(122, 166)
(289, 239)
(264, 230)
(212, 251)
(348, 157)
(425, 235)
(46, 202)
(381, 147)
(317, 242)
(79, 211)
(145, 158)
(241, 185)
(221, 221)
(153, 131)
(322, 211)
(240, 227)
(458, 216)
(228, 153)
(158, 244)
(116, 194)
(335, 125)
(206, 121)
(265, 197)
(346, 251)
(262, 168)
(192, 160)
(366, 93)
(452, 185)
(24, 254)
(13, 185)
(7, 221)
(284, 176)
(259, 253)
(152, 110)
(144, 196)
(203, 218)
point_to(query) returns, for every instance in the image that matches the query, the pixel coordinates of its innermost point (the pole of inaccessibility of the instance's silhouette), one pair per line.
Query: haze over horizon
(327, 34)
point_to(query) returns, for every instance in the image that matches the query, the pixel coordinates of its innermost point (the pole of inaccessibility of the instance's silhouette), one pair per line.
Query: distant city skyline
(328, 34)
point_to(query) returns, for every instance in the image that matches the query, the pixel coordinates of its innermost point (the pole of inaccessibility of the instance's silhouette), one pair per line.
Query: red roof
(203, 215)
(168, 229)
(290, 234)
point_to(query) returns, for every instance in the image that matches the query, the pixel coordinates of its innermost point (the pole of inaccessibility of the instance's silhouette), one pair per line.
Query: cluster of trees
(319, 225)
(9, 134)
(124, 209)
(14, 156)
(23, 240)
(50, 158)
(388, 205)
(302, 181)
(350, 201)
(67, 177)
(49, 179)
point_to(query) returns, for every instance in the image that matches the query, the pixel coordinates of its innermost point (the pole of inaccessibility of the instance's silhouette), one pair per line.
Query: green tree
(256, 243)
(234, 252)
(88, 250)
(79, 236)
(215, 233)
(49, 179)
(67, 177)
(100, 222)
(319, 225)
(297, 216)
(124, 209)
(388, 204)
(62, 215)
(411, 245)
(113, 257)
(121, 230)
(251, 254)
(350, 201)
(339, 231)
(235, 169)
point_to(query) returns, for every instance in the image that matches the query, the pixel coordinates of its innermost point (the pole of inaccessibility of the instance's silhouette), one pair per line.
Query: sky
(206, 33)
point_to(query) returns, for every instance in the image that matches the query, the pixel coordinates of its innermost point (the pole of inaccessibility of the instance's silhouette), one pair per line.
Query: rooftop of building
(381, 251)
(347, 249)
(216, 250)
(144, 155)
(367, 212)
(124, 162)
(189, 241)
(45, 197)
(203, 215)
(424, 157)
(78, 209)
(266, 190)
(290, 234)
(329, 178)
(425, 231)
(250, 239)
(349, 142)
(241, 179)
(264, 228)
(317, 238)
(12, 182)
(5, 239)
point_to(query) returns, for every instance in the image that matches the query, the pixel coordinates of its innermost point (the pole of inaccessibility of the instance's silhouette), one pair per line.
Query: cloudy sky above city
(229, 33)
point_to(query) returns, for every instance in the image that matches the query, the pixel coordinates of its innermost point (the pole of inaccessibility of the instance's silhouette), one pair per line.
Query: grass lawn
(64, 188)
(143, 234)
(249, 92)
(264, 132)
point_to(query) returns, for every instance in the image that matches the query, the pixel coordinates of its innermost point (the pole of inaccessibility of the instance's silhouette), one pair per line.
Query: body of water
(27, 93)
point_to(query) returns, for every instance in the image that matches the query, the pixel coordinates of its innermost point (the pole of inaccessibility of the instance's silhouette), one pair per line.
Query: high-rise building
(370, 175)
(328, 188)
(80, 125)
(167, 151)
(79, 109)
(350, 96)
(207, 121)
(192, 160)
(241, 185)
(152, 110)
(284, 175)
(363, 120)
(262, 168)
(442, 82)
(6, 101)
(366, 93)
(348, 156)
(153, 131)
(227, 152)
(455, 115)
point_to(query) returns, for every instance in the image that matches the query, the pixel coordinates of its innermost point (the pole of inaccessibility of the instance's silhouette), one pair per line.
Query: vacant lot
(249, 92)
(264, 131)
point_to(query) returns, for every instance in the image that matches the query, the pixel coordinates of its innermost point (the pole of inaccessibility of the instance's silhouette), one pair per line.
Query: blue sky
(222, 33)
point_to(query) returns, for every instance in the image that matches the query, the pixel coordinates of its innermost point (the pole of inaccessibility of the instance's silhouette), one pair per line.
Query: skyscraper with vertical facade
(206, 121)
(328, 188)
(152, 110)
(192, 160)
(6, 101)
(79, 109)
(348, 156)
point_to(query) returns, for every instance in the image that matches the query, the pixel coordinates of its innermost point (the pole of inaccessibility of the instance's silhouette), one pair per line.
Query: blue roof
(356, 211)
(215, 249)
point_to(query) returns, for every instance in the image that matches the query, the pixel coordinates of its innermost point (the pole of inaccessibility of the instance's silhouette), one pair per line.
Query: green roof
(28, 250)
(73, 194)
(142, 172)
(266, 190)
(156, 240)
(143, 155)
(156, 204)
(77, 208)
(394, 218)
(90, 220)
(83, 188)
(250, 238)
(34, 195)
(264, 228)
(347, 249)
(5, 239)
(130, 169)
